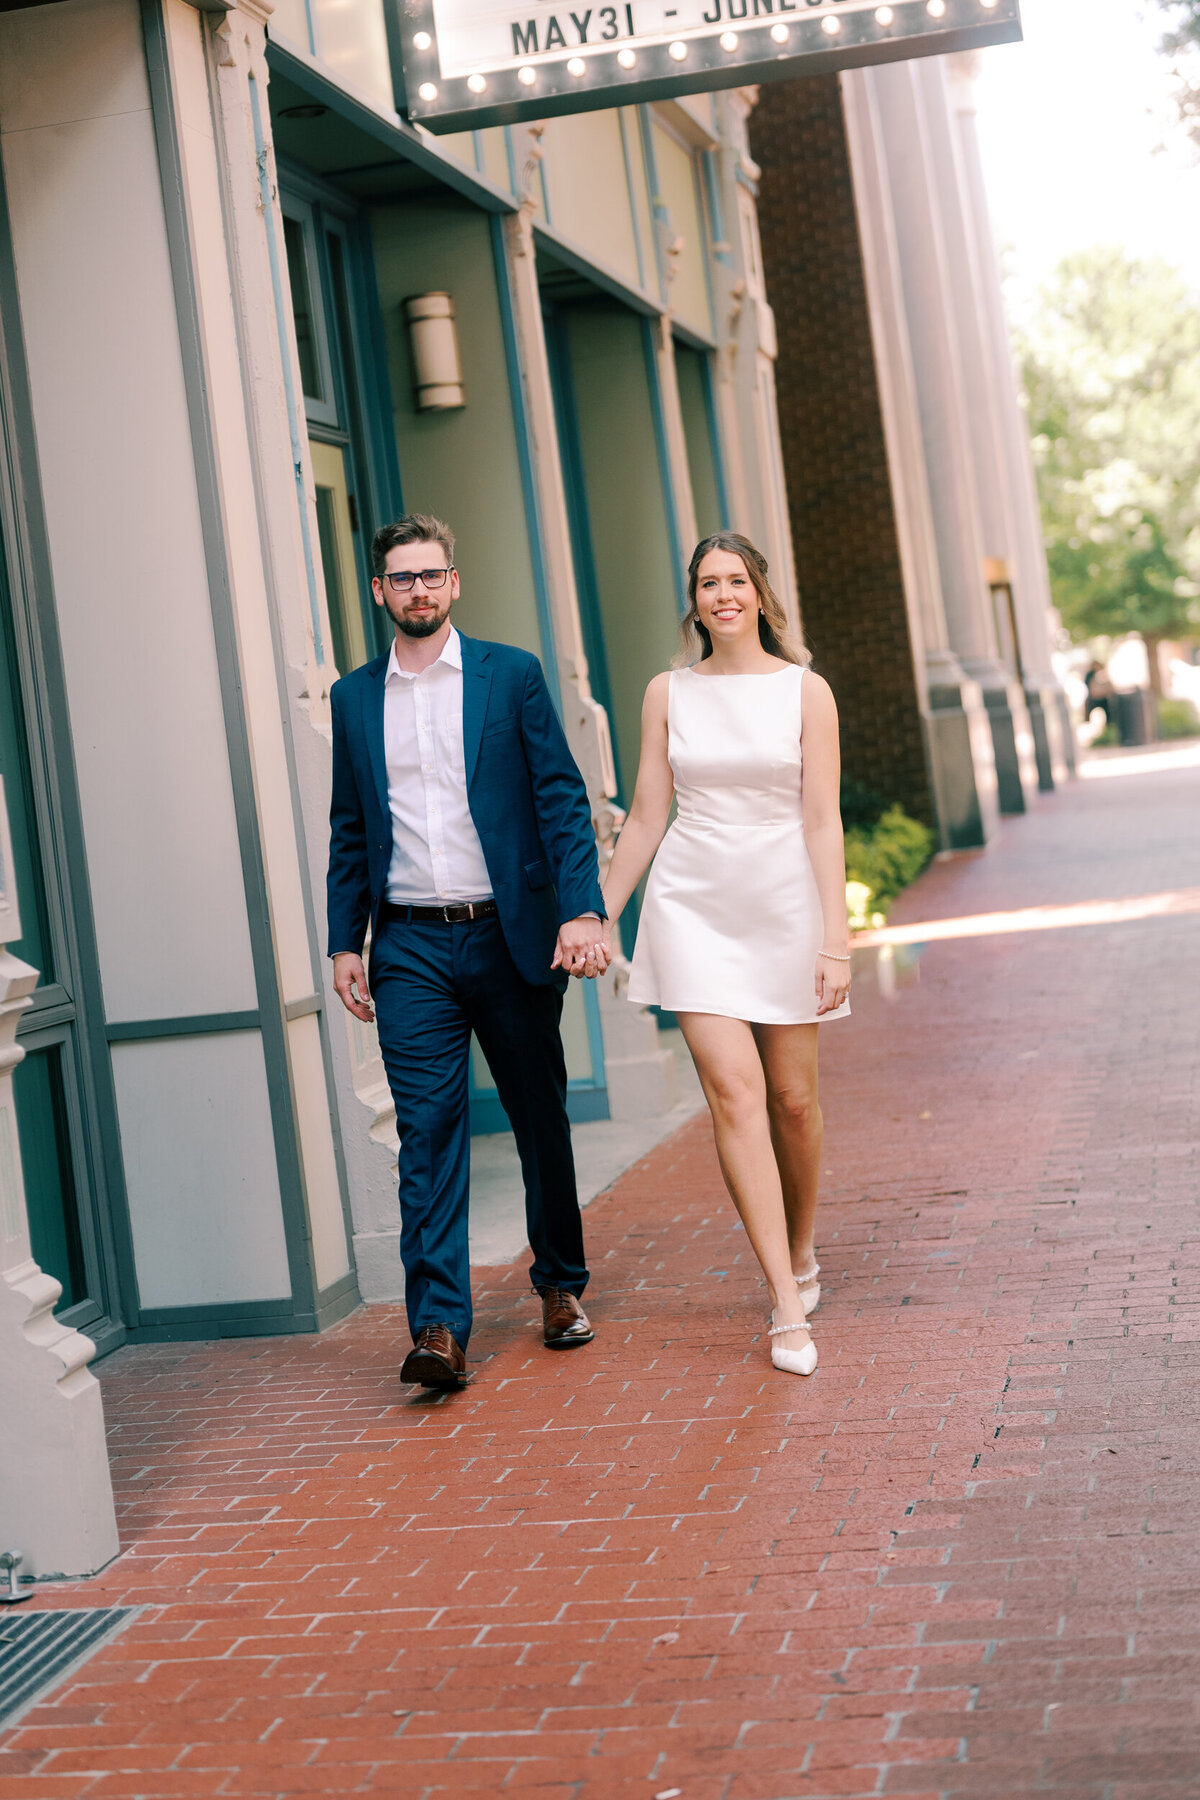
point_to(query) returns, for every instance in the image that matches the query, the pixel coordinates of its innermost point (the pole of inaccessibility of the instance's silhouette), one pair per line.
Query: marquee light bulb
(422, 40)
(677, 50)
(936, 8)
(626, 58)
(884, 15)
(779, 33)
(427, 91)
(576, 66)
(831, 25)
(526, 76)
(476, 83)
(729, 40)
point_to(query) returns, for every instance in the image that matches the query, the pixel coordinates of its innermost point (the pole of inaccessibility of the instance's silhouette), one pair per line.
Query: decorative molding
(137, 1031)
(56, 1496)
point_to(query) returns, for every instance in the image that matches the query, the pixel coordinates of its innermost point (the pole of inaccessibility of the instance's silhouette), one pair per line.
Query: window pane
(44, 1136)
(335, 528)
(335, 599)
(302, 309)
(343, 337)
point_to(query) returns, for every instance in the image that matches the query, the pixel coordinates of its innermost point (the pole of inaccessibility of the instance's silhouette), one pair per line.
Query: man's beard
(419, 628)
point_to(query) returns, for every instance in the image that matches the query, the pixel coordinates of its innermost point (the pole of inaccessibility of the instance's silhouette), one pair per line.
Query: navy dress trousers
(434, 983)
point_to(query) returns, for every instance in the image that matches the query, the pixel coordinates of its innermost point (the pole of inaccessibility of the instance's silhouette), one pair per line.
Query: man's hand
(349, 976)
(583, 948)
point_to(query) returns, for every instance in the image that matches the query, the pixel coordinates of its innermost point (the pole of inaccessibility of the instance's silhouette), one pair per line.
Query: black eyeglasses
(402, 579)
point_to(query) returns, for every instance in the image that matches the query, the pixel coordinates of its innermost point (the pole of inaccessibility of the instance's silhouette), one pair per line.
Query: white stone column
(746, 354)
(218, 82)
(939, 357)
(639, 1073)
(56, 1501)
(937, 361)
(936, 663)
(1032, 599)
(1015, 757)
(956, 729)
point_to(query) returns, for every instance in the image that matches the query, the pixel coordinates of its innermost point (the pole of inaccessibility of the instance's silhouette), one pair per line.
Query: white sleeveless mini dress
(731, 922)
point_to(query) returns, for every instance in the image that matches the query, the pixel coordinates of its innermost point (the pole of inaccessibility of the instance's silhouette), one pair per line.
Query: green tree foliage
(1111, 360)
(1184, 19)
(1182, 44)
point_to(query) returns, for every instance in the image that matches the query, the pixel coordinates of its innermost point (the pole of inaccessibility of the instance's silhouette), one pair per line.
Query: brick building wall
(835, 459)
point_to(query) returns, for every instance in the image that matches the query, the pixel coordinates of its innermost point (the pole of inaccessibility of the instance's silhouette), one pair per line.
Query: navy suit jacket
(526, 795)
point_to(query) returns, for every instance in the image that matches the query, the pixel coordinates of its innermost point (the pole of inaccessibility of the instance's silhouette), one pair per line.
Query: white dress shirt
(437, 858)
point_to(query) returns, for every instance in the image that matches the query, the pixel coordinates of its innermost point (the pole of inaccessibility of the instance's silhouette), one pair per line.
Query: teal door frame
(351, 327)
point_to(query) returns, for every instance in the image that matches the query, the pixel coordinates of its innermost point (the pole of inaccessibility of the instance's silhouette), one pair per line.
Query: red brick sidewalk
(962, 1560)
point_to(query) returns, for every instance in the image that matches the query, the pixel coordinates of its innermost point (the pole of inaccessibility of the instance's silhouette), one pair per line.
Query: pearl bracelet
(832, 956)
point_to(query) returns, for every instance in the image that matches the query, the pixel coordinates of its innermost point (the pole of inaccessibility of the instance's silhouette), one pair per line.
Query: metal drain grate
(38, 1649)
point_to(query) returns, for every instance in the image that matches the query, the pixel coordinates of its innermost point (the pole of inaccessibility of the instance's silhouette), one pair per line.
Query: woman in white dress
(743, 932)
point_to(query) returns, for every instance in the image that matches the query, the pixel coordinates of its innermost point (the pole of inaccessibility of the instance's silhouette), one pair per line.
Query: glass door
(335, 528)
(332, 327)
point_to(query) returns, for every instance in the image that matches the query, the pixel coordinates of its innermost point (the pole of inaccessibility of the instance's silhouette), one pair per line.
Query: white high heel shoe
(810, 1289)
(793, 1362)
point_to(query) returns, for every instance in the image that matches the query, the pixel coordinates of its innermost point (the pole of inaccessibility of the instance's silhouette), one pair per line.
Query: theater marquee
(471, 63)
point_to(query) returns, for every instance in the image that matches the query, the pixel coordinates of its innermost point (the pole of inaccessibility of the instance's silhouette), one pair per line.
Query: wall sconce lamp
(433, 343)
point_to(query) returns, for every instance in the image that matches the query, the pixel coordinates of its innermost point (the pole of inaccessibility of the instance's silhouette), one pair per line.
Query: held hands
(350, 986)
(832, 982)
(584, 948)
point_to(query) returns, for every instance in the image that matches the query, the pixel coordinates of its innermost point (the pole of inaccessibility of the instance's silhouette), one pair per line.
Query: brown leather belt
(460, 913)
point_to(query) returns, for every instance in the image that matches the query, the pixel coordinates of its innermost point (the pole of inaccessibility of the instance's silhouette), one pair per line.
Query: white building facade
(210, 232)
(216, 231)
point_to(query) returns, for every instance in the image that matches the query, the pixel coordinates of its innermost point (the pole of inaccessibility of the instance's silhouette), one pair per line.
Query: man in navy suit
(461, 834)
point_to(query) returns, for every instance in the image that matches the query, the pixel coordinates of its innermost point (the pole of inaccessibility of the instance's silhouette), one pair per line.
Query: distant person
(461, 833)
(1099, 691)
(743, 932)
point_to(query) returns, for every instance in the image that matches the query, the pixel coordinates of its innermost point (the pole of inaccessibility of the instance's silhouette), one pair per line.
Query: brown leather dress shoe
(435, 1360)
(564, 1322)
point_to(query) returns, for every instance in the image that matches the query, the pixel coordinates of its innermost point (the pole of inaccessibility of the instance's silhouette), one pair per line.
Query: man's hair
(413, 528)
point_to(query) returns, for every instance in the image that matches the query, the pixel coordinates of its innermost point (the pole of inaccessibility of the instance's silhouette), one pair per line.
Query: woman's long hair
(774, 633)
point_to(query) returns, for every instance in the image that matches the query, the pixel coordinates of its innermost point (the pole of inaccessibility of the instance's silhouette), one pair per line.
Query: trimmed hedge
(1177, 719)
(886, 857)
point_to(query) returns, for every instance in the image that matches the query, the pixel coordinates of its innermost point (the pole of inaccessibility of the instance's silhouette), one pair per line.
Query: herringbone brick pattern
(960, 1561)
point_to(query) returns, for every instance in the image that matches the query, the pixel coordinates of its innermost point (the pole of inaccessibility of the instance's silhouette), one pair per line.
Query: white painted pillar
(937, 361)
(936, 663)
(734, 318)
(919, 170)
(965, 284)
(957, 734)
(639, 1073)
(1032, 599)
(746, 354)
(144, 627)
(965, 281)
(56, 1501)
(218, 80)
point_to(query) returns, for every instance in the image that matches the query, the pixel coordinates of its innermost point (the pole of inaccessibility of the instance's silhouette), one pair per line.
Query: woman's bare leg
(731, 1073)
(789, 1060)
